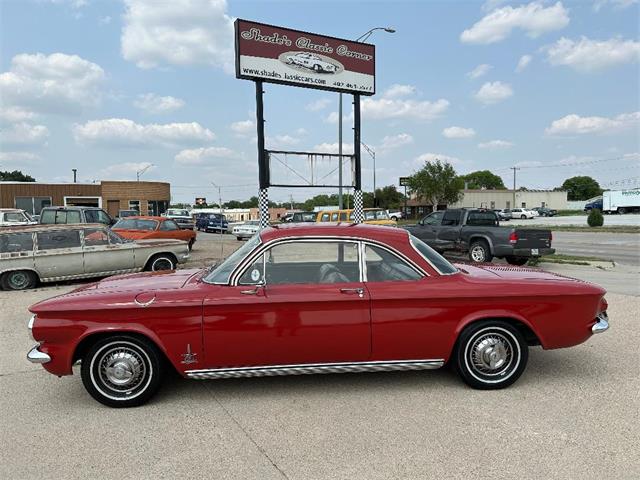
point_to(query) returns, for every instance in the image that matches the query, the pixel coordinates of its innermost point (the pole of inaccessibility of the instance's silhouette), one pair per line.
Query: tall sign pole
(263, 166)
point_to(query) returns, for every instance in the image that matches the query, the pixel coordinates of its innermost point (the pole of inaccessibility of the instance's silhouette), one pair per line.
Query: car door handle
(359, 291)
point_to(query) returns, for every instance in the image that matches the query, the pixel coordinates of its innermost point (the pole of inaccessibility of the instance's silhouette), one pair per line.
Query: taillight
(513, 237)
(550, 237)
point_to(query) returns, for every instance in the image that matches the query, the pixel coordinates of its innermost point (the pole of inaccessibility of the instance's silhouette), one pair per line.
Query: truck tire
(622, 210)
(519, 261)
(479, 252)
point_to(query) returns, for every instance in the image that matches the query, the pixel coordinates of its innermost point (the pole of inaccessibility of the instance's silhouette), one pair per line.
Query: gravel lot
(573, 414)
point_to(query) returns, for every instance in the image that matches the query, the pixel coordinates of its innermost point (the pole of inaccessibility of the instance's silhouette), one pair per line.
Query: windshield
(136, 224)
(434, 258)
(222, 272)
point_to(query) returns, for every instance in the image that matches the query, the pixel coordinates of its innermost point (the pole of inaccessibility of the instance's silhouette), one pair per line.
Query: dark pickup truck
(478, 233)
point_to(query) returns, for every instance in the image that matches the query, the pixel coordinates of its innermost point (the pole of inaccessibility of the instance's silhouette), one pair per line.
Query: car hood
(116, 289)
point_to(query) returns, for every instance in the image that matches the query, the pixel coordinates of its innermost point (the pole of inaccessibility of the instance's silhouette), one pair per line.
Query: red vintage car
(312, 298)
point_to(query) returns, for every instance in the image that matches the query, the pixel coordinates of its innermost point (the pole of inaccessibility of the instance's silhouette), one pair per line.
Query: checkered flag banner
(358, 211)
(263, 206)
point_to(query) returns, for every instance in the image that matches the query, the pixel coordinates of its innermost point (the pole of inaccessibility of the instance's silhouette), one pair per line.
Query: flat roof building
(149, 198)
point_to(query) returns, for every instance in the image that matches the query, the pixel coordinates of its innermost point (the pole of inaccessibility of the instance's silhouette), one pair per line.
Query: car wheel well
(526, 331)
(170, 255)
(85, 344)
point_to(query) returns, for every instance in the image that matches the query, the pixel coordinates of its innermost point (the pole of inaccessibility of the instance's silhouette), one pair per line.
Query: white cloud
(533, 18)
(179, 32)
(432, 157)
(395, 141)
(318, 105)
(124, 171)
(347, 148)
(479, 71)
(23, 134)
(333, 117)
(244, 127)
(154, 104)
(204, 155)
(397, 90)
(18, 157)
(495, 145)
(494, 92)
(14, 115)
(125, 132)
(281, 141)
(588, 55)
(576, 125)
(616, 4)
(458, 132)
(56, 83)
(523, 63)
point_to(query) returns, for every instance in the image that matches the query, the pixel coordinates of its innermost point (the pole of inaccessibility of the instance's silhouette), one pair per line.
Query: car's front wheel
(122, 371)
(490, 354)
(161, 262)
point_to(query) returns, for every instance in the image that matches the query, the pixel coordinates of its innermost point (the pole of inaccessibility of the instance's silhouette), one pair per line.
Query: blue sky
(110, 87)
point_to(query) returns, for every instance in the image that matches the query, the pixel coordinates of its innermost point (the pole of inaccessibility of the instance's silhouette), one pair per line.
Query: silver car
(49, 253)
(246, 230)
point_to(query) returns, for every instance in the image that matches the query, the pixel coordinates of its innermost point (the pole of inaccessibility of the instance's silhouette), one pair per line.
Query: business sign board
(201, 201)
(292, 57)
(404, 181)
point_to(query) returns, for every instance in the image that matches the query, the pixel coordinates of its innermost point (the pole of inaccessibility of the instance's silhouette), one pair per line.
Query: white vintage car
(14, 216)
(246, 230)
(49, 253)
(312, 62)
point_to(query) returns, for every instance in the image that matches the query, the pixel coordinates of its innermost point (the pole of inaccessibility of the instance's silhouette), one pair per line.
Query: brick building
(149, 198)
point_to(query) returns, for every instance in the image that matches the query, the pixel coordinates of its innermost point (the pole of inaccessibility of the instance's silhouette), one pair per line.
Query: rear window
(16, 242)
(484, 219)
(60, 216)
(58, 239)
(136, 224)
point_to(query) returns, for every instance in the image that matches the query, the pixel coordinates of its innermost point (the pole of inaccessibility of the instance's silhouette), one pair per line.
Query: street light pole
(373, 155)
(361, 38)
(139, 173)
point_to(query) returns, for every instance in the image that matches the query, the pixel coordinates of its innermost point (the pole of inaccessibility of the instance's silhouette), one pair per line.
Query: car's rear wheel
(479, 252)
(161, 262)
(516, 260)
(523, 217)
(490, 354)
(122, 371)
(19, 280)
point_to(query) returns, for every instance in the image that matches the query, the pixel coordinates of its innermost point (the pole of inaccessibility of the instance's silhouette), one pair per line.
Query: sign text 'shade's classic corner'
(291, 57)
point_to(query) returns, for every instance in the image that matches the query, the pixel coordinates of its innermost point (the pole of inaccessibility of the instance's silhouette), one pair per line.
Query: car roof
(10, 210)
(147, 217)
(341, 229)
(50, 226)
(70, 207)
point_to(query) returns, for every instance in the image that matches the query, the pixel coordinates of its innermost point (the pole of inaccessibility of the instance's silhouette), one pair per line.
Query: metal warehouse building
(149, 198)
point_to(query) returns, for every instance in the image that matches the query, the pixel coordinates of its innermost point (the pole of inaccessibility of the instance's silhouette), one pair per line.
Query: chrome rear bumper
(602, 323)
(36, 356)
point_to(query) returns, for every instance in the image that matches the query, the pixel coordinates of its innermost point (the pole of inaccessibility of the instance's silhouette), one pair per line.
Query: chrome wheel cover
(121, 370)
(492, 355)
(162, 264)
(478, 254)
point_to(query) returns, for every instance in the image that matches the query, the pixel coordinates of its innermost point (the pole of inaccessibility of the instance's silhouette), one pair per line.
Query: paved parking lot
(573, 414)
(580, 220)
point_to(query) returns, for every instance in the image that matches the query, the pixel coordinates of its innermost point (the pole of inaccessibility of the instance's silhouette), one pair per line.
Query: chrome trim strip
(32, 320)
(311, 368)
(36, 356)
(602, 323)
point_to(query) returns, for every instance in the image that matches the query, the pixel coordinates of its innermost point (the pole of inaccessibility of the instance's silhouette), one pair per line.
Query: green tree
(581, 188)
(15, 176)
(389, 197)
(483, 179)
(436, 183)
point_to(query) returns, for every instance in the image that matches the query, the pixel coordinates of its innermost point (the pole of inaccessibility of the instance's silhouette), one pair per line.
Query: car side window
(94, 237)
(433, 219)
(334, 217)
(168, 225)
(16, 242)
(52, 240)
(451, 218)
(325, 217)
(14, 217)
(384, 266)
(343, 217)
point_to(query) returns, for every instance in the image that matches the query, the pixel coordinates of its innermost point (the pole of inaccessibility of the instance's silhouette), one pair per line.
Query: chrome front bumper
(36, 356)
(602, 323)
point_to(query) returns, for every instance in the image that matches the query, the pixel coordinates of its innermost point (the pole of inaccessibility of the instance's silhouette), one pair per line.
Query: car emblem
(189, 358)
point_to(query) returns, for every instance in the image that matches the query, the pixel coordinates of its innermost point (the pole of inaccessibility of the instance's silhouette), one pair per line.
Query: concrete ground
(573, 414)
(580, 220)
(623, 248)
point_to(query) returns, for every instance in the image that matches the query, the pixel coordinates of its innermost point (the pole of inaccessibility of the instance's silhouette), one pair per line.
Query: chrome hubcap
(491, 354)
(122, 369)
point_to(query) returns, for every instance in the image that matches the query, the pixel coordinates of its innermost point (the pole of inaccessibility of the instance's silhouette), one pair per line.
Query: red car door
(313, 308)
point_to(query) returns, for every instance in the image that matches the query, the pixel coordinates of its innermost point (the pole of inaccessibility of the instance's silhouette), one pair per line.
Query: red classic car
(312, 298)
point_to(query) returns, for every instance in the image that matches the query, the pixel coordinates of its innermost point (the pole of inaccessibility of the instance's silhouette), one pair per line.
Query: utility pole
(75, 171)
(221, 218)
(373, 155)
(515, 169)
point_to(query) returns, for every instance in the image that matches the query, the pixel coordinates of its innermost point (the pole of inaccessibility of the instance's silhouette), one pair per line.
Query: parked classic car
(372, 216)
(211, 222)
(14, 216)
(51, 253)
(71, 214)
(312, 62)
(181, 216)
(300, 217)
(146, 227)
(311, 298)
(246, 230)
